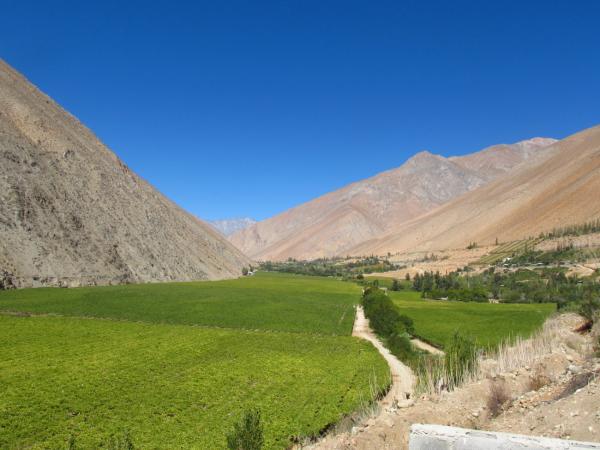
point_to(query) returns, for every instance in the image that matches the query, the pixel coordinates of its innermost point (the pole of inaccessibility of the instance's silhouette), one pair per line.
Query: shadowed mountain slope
(72, 213)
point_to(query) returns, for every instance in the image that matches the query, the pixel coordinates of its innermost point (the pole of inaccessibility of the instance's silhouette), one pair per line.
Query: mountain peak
(538, 141)
(422, 155)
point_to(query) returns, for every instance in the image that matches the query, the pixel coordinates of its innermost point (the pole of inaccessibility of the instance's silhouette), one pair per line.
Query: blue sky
(247, 108)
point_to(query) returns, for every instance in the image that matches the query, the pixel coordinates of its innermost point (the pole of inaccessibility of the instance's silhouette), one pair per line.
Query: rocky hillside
(557, 190)
(229, 226)
(335, 223)
(72, 213)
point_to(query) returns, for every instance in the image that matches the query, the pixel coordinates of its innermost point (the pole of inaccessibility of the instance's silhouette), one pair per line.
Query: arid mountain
(72, 213)
(560, 189)
(335, 223)
(229, 226)
(499, 159)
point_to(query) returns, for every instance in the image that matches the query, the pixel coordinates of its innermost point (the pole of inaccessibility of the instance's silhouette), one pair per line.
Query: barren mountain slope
(336, 222)
(498, 159)
(71, 212)
(558, 190)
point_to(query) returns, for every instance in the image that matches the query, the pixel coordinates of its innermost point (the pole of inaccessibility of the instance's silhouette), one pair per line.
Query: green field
(436, 320)
(173, 385)
(266, 301)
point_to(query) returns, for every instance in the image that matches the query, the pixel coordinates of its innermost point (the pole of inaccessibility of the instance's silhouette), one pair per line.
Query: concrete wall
(438, 437)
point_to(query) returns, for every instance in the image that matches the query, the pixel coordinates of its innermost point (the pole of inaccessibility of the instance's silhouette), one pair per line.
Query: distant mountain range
(229, 226)
(71, 212)
(337, 223)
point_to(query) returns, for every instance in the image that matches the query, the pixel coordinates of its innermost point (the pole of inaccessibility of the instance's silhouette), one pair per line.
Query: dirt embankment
(552, 392)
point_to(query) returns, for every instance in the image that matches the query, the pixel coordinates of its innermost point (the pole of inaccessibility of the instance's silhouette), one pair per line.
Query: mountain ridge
(334, 223)
(555, 191)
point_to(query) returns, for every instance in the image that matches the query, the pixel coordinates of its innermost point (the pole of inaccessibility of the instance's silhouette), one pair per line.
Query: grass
(171, 386)
(436, 320)
(266, 301)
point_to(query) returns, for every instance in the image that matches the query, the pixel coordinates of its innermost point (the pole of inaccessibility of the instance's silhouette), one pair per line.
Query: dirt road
(402, 377)
(425, 346)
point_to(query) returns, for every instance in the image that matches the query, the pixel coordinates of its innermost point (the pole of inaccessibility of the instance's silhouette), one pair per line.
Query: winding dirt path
(403, 379)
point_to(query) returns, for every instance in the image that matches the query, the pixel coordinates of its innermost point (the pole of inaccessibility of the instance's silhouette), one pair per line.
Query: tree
(407, 276)
(395, 285)
(247, 434)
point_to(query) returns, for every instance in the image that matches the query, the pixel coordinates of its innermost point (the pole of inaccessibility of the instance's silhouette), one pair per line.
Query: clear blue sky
(247, 108)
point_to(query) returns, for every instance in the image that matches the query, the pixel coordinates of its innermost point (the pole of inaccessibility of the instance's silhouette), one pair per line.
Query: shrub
(537, 381)
(401, 347)
(247, 434)
(590, 304)
(460, 359)
(498, 395)
(408, 324)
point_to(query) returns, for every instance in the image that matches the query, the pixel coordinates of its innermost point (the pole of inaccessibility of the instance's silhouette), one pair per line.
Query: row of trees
(387, 322)
(592, 226)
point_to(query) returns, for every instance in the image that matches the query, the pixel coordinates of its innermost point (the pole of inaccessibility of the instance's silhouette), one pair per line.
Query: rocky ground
(554, 394)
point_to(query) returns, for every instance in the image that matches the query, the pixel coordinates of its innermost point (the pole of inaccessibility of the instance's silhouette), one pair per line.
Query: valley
(458, 290)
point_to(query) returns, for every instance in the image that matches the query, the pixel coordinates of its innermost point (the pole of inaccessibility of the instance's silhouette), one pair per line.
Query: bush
(537, 381)
(401, 347)
(247, 434)
(408, 324)
(460, 359)
(498, 395)
(590, 305)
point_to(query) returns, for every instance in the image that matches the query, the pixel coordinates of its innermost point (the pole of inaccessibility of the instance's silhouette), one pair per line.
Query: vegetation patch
(65, 379)
(436, 321)
(347, 268)
(265, 301)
